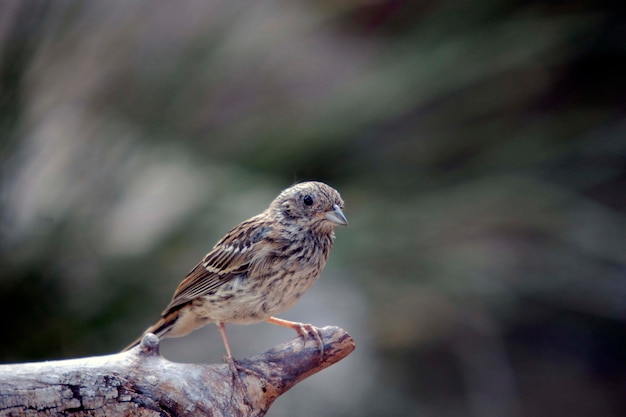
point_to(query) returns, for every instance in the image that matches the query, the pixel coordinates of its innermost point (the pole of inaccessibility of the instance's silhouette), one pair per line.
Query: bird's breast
(272, 284)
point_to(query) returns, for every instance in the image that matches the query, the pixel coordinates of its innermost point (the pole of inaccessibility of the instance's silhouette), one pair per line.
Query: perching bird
(260, 268)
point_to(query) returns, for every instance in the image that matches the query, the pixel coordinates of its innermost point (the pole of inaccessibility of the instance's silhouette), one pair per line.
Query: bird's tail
(160, 328)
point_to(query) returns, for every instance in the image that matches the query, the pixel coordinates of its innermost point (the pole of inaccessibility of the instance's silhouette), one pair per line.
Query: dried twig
(141, 382)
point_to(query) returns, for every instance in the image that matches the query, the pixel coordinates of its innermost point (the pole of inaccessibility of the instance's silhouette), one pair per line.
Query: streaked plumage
(260, 268)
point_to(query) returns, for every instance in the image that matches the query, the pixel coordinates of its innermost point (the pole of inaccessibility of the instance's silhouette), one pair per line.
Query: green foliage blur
(480, 148)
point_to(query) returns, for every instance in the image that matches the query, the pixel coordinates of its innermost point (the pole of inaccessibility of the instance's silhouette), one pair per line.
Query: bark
(141, 382)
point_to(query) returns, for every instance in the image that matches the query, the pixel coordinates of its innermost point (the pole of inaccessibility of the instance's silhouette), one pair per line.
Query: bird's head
(311, 204)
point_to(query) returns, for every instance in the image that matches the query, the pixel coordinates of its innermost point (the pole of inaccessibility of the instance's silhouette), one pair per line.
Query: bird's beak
(336, 216)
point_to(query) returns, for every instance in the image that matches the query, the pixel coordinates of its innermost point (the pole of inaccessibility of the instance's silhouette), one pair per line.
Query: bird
(260, 268)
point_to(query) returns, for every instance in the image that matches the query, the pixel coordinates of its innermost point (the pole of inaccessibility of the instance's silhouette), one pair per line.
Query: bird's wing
(230, 257)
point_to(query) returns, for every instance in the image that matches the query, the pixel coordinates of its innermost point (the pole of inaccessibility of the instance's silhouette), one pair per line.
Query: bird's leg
(222, 328)
(234, 367)
(303, 330)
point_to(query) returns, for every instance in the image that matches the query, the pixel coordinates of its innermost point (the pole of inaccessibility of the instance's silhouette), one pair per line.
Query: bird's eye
(307, 200)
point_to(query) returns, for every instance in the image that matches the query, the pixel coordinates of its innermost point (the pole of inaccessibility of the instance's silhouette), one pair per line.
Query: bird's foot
(307, 330)
(303, 330)
(238, 383)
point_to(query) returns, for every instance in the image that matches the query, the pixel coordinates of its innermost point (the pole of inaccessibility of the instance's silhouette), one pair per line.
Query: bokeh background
(480, 147)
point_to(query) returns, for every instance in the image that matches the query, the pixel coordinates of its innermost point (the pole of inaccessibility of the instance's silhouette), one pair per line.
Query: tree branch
(141, 382)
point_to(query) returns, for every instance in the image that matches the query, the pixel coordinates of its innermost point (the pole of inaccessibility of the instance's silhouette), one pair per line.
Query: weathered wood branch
(141, 382)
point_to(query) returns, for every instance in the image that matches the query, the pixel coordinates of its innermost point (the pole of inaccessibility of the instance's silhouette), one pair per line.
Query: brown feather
(230, 257)
(159, 328)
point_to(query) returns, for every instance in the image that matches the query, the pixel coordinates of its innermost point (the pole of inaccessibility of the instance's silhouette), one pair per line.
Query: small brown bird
(260, 268)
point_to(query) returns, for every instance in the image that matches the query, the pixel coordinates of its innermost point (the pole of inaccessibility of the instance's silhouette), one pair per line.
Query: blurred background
(480, 148)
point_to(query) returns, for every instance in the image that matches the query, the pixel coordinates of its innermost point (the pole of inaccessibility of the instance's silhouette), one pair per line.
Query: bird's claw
(307, 330)
(237, 381)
